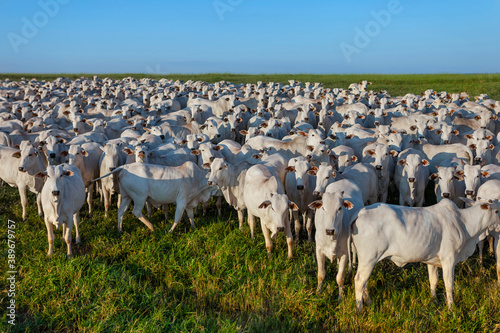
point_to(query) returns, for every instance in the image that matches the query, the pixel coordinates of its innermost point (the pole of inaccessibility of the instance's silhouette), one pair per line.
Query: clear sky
(249, 36)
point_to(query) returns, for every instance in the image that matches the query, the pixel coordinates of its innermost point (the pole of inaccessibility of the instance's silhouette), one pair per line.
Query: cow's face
(278, 209)
(324, 176)
(472, 176)
(217, 170)
(444, 179)
(330, 213)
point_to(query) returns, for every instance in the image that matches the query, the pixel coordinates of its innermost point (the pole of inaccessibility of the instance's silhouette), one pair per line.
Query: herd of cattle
(328, 157)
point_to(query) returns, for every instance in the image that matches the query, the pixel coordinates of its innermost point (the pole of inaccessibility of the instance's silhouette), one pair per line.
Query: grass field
(215, 278)
(396, 85)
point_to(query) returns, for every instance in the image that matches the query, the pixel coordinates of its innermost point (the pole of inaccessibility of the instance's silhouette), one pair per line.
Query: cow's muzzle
(446, 195)
(300, 187)
(56, 193)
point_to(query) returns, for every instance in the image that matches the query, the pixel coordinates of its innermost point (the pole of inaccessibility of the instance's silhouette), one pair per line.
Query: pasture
(215, 278)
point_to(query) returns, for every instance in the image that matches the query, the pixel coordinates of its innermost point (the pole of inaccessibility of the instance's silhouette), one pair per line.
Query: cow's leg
(149, 209)
(289, 239)
(342, 263)
(241, 216)
(309, 225)
(480, 246)
(267, 238)
(50, 235)
(179, 210)
(24, 201)
(205, 206)
(251, 224)
(219, 205)
(165, 210)
(90, 194)
(497, 252)
(491, 242)
(361, 281)
(448, 274)
(76, 222)
(122, 209)
(190, 215)
(107, 198)
(67, 238)
(297, 223)
(137, 211)
(320, 258)
(433, 278)
(63, 231)
(354, 253)
(39, 203)
(120, 201)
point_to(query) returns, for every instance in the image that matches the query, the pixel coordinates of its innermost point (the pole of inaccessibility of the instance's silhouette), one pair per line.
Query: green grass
(215, 278)
(396, 85)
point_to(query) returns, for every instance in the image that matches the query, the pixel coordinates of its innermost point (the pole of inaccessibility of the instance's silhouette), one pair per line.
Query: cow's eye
(340, 208)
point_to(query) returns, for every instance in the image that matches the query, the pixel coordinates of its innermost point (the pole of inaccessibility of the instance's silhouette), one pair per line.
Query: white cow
(335, 213)
(441, 235)
(63, 196)
(19, 170)
(265, 198)
(185, 185)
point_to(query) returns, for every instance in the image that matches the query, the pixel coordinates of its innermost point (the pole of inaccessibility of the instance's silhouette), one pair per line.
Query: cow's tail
(108, 174)
(349, 269)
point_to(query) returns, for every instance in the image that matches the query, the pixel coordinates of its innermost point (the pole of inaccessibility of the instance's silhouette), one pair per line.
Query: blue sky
(249, 36)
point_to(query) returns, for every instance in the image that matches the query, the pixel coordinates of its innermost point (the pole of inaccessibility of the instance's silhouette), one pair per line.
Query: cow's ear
(438, 132)
(256, 156)
(468, 136)
(63, 153)
(491, 147)
(265, 204)
(292, 206)
(350, 136)
(485, 174)
(243, 132)
(218, 147)
(16, 154)
(84, 153)
(455, 132)
(489, 137)
(424, 162)
(472, 146)
(354, 158)
(485, 206)
(183, 142)
(290, 169)
(310, 148)
(199, 139)
(433, 176)
(67, 173)
(206, 165)
(128, 151)
(459, 175)
(394, 153)
(370, 152)
(316, 204)
(402, 162)
(302, 133)
(195, 152)
(41, 174)
(311, 172)
(348, 204)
